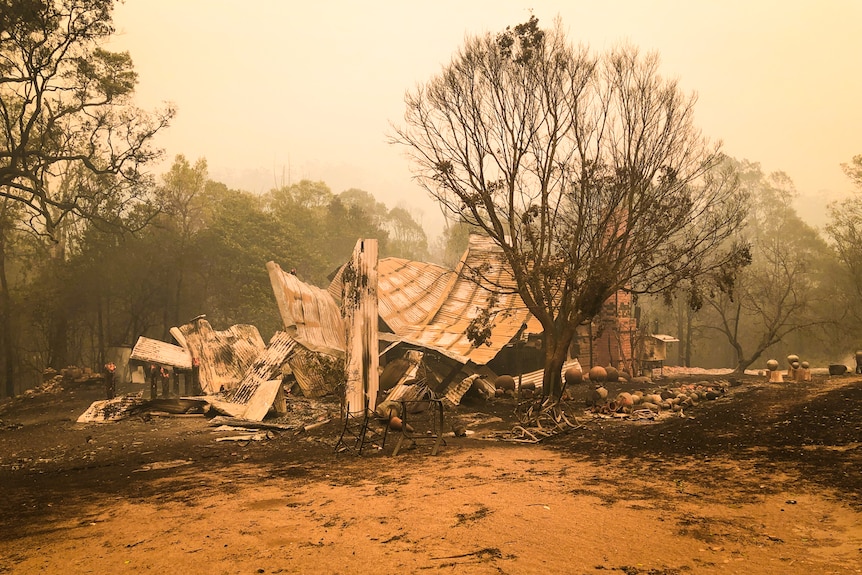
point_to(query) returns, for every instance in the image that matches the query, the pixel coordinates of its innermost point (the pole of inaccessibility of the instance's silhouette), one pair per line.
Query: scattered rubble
(641, 404)
(306, 376)
(111, 409)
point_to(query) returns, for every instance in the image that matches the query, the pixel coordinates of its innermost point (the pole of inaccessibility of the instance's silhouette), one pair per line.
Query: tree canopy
(71, 141)
(588, 171)
(72, 144)
(781, 292)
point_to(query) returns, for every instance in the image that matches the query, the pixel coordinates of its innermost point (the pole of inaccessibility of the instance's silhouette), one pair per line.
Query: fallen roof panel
(161, 353)
(224, 355)
(481, 274)
(408, 292)
(308, 313)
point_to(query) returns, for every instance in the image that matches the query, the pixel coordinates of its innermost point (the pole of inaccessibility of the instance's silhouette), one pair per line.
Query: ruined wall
(613, 334)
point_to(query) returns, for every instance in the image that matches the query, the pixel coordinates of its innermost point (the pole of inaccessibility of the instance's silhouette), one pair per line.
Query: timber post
(196, 376)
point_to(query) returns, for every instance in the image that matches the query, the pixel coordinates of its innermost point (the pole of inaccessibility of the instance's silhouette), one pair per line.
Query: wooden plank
(222, 420)
(359, 307)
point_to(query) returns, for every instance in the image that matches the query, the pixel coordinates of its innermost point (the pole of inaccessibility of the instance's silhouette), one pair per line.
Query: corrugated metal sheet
(409, 292)
(267, 367)
(537, 377)
(465, 295)
(309, 313)
(457, 389)
(224, 356)
(408, 378)
(429, 306)
(315, 372)
(161, 353)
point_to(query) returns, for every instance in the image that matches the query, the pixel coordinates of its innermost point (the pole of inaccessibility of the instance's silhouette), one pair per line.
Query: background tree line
(800, 294)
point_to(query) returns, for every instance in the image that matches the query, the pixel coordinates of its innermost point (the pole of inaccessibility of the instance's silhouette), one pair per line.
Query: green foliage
(71, 144)
(205, 253)
(523, 42)
(452, 244)
(72, 149)
(479, 328)
(407, 238)
(327, 224)
(94, 253)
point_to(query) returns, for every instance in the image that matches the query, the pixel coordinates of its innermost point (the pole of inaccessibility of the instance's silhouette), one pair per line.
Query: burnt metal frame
(357, 427)
(435, 420)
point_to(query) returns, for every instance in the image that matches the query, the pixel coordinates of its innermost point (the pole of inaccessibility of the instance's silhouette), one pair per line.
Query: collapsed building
(421, 314)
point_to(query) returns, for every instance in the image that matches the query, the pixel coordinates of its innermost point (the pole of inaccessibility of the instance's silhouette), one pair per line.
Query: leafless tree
(781, 292)
(587, 171)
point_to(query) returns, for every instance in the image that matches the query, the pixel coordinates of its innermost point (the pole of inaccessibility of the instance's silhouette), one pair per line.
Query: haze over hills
(811, 206)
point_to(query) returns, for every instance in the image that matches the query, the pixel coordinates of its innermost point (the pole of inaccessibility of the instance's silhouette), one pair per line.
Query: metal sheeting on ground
(267, 367)
(107, 410)
(308, 313)
(313, 372)
(535, 378)
(259, 387)
(224, 356)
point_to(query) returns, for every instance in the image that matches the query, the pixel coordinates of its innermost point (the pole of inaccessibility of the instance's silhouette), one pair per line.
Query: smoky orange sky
(274, 91)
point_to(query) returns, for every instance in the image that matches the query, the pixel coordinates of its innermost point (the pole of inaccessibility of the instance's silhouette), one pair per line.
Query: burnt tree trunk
(556, 351)
(58, 344)
(6, 314)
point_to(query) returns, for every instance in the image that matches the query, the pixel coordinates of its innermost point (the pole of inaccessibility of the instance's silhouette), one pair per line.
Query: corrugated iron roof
(161, 353)
(309, 313)
(224, 355)
(408, 292)
(481, 273)
(428, 306)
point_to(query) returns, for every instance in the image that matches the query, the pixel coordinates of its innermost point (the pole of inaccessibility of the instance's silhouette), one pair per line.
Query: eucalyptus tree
(783, 292)
(407, 239)
(845, 227)
(71, 140)
(72, 144)
(588, 172)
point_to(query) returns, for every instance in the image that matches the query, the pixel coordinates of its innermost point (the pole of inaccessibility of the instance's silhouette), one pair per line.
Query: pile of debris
(641, 404)
(54, 381)
(388, 330)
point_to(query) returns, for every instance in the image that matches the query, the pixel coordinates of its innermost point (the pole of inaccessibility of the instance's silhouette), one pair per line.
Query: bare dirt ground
(766, 479)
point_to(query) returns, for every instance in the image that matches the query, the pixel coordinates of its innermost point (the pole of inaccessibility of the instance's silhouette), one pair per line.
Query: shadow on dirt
(784, 430)
(791, 433)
